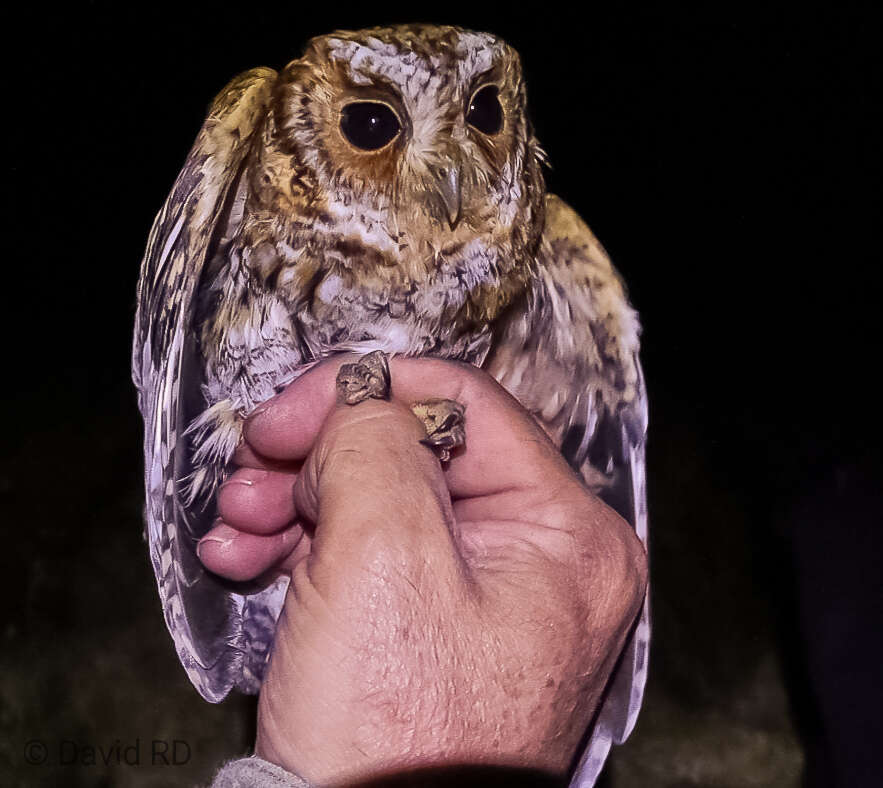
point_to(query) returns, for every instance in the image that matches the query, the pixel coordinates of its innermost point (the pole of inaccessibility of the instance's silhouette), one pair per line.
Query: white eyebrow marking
(474, 54)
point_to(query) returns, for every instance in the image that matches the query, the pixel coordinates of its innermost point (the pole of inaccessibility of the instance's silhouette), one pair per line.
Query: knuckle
(627, 566)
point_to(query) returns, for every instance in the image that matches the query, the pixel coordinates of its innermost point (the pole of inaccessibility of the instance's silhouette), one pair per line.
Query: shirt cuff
(255, 772)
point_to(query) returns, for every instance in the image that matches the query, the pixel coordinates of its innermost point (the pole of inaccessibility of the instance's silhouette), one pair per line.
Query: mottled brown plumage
(383, 192)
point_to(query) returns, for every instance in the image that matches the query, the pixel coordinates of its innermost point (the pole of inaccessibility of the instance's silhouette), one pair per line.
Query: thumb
(376, 496)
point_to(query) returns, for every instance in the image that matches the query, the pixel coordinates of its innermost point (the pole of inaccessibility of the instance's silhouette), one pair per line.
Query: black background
(726, 158)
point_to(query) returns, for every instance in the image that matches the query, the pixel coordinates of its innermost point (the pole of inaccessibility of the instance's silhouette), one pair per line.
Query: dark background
(726, 158)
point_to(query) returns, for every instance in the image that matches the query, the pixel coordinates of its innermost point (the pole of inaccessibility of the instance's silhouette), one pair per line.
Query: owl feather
(384, 191)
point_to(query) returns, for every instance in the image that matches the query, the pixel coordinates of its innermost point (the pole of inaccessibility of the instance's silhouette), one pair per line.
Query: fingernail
(235, 480)
(259, 410)
(207, 539)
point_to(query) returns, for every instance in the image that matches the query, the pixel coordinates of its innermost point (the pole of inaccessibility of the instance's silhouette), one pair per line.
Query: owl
(382, 192)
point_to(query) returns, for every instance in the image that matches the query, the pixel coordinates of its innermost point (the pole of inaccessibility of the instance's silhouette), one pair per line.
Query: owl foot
(366, 378)
(443, 419)
(445, 423)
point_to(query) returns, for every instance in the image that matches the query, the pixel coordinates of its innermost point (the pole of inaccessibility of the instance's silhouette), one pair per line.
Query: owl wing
(198, 217)
(569, 353)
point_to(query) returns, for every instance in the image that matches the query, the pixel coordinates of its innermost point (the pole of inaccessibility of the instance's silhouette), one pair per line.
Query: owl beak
(449, 190)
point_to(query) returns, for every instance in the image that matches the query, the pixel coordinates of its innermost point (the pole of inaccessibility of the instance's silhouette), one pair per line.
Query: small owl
(383, 192)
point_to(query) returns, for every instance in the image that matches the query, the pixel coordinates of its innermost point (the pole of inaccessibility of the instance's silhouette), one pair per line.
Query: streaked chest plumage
(292, 289)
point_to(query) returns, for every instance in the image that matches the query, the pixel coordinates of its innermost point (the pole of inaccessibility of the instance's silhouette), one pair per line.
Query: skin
(470, 614)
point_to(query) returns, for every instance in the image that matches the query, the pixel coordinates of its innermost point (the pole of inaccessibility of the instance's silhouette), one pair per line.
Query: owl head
(416, 135)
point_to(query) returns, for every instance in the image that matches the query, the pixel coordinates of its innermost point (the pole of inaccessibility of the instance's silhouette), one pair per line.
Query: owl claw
(443, 419)
(366, 378)
(445, 423)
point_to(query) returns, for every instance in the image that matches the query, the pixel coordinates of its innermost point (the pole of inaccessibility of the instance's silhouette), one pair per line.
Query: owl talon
(366, 378)
(443, 419)
(445, 423)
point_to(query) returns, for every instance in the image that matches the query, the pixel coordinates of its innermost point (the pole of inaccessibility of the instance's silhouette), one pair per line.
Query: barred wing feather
(569, 353)
(203, 616)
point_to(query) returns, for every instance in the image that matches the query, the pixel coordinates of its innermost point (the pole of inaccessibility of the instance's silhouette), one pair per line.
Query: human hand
(465, 615)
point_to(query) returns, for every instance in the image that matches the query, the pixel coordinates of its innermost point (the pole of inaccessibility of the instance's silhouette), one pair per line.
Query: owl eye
(369, 125)
(484, 111)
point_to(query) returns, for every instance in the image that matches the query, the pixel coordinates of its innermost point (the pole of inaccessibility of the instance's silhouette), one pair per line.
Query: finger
(242, 556)
(286, 427)
(257, 501)
(246, 457)
(498, 429)
(504, 443)
(376, 494)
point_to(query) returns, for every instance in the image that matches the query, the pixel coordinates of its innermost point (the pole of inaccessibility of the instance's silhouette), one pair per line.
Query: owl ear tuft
(292, 100)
